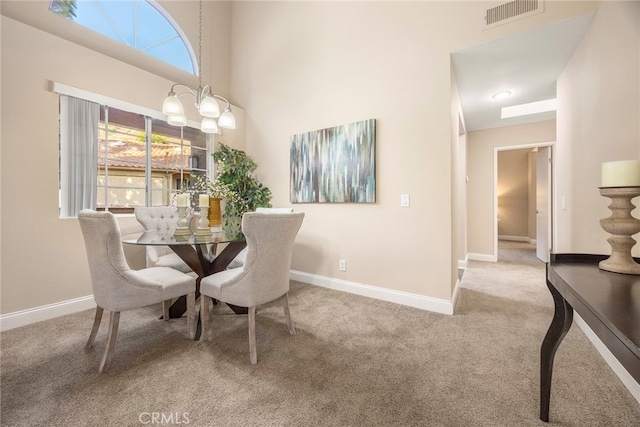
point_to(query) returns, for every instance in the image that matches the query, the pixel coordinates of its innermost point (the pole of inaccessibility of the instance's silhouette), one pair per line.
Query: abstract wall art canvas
(334, 165)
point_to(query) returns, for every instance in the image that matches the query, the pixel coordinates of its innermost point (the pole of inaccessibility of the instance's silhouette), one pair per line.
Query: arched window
(141, 24)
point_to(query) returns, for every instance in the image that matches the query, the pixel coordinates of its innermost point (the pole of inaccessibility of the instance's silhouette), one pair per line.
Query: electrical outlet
(342, 265)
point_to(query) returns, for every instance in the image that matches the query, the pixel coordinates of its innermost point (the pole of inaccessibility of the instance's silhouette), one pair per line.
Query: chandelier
(205, 101)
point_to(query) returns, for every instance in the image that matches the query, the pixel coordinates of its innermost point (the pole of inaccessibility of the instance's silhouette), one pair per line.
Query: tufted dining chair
(163, 219)
(263, 278)
(238, 261)
(116, 287)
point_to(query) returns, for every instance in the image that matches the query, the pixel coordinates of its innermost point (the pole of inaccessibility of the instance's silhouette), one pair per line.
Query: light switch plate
(404, 200)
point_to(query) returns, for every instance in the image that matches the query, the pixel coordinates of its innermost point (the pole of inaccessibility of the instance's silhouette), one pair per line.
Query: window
(141, 24)
(138, 160)
(130, 145)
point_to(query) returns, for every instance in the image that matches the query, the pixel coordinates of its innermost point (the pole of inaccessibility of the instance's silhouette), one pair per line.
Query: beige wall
(481, 146)
(598, 121)
(513, 193)
(43, 258)
(299, 66)
(388, 61)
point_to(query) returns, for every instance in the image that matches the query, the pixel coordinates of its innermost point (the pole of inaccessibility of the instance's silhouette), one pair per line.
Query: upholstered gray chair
(116, 287)
(238, 261)
(263, 278)
(163, 219)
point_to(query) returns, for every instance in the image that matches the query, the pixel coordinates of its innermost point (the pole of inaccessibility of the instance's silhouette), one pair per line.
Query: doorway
(523, 186)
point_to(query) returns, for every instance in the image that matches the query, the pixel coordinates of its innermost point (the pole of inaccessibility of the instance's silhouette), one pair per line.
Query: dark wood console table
(608, 302)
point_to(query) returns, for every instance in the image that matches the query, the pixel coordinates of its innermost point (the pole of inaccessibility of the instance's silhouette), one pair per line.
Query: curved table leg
(199, 260)
(562, 319)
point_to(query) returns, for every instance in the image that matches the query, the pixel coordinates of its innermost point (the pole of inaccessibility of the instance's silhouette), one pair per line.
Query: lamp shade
(177, 120)
(227, 120)
(208, 125)
(209, 107)
(172, 106)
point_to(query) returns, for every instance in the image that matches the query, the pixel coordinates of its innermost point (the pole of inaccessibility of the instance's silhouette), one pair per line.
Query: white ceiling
(527, 64)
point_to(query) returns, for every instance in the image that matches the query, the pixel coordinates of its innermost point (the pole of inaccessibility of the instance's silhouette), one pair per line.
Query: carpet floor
(355, 361)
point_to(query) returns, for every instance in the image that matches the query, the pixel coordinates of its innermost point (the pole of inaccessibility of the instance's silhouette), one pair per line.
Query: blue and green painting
(334, 165)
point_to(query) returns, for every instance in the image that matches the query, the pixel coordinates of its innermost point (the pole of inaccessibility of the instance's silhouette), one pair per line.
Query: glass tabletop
(155, 238)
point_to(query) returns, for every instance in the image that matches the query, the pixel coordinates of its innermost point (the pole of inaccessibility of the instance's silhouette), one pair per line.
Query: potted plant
(236, 169)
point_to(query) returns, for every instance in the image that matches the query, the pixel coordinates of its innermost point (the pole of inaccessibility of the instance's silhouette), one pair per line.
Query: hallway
(511, 302)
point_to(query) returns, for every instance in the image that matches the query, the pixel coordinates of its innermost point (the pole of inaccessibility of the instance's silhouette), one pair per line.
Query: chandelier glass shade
(177, 120)
(206, 104)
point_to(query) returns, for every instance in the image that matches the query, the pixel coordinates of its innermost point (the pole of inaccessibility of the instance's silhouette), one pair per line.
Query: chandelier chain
(205, 99)
(200, 45)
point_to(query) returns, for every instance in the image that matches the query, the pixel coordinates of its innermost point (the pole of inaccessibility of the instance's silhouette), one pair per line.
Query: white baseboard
(482, 257)
(45, 312)
(462, 264)
(454, 296)
(517, 239)
(51, 311)
(608, 357)
(514, 238)
(399, 297)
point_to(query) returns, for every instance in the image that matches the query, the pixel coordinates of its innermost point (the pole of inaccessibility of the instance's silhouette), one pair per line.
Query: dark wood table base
(204, 264)
(604, 300)
(562, 319)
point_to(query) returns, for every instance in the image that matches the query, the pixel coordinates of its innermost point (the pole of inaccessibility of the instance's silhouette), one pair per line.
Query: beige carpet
(355, 362)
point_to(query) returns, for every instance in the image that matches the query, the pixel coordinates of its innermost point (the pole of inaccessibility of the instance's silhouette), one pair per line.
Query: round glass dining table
(199, 252)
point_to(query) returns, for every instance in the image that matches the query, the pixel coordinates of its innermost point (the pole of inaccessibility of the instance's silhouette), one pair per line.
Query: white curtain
(79, 120)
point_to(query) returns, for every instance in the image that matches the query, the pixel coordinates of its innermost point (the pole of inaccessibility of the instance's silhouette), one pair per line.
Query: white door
(543, 203)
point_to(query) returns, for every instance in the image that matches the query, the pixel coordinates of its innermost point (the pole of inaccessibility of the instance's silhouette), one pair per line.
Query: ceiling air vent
(511, 11)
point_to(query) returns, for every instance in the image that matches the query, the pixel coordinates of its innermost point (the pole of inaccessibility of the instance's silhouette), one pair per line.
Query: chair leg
(204, 316)
(287, 314)
(94, 329)
(191, 314)
(165, 309)
(114, 320)
(253, 353)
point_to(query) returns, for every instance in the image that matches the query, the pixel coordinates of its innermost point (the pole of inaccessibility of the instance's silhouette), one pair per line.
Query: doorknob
(538, 211)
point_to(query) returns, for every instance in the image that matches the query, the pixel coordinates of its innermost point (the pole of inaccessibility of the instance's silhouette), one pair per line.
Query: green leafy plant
(236, 169)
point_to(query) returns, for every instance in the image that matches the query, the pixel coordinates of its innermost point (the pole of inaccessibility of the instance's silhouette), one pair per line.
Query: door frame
(552, 191)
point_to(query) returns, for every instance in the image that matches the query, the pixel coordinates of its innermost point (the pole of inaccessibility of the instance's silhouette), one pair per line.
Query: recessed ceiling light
(501, 95)
(530, 108)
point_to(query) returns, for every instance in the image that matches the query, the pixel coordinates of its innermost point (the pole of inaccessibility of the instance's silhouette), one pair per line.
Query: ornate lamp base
(621, 225)
(183, 227)
(203, 223)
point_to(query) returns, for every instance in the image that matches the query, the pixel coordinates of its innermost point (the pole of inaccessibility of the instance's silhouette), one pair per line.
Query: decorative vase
(215, 214)
(622, 226)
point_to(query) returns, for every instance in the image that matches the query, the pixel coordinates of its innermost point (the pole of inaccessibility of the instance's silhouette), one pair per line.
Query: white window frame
(63, 89)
